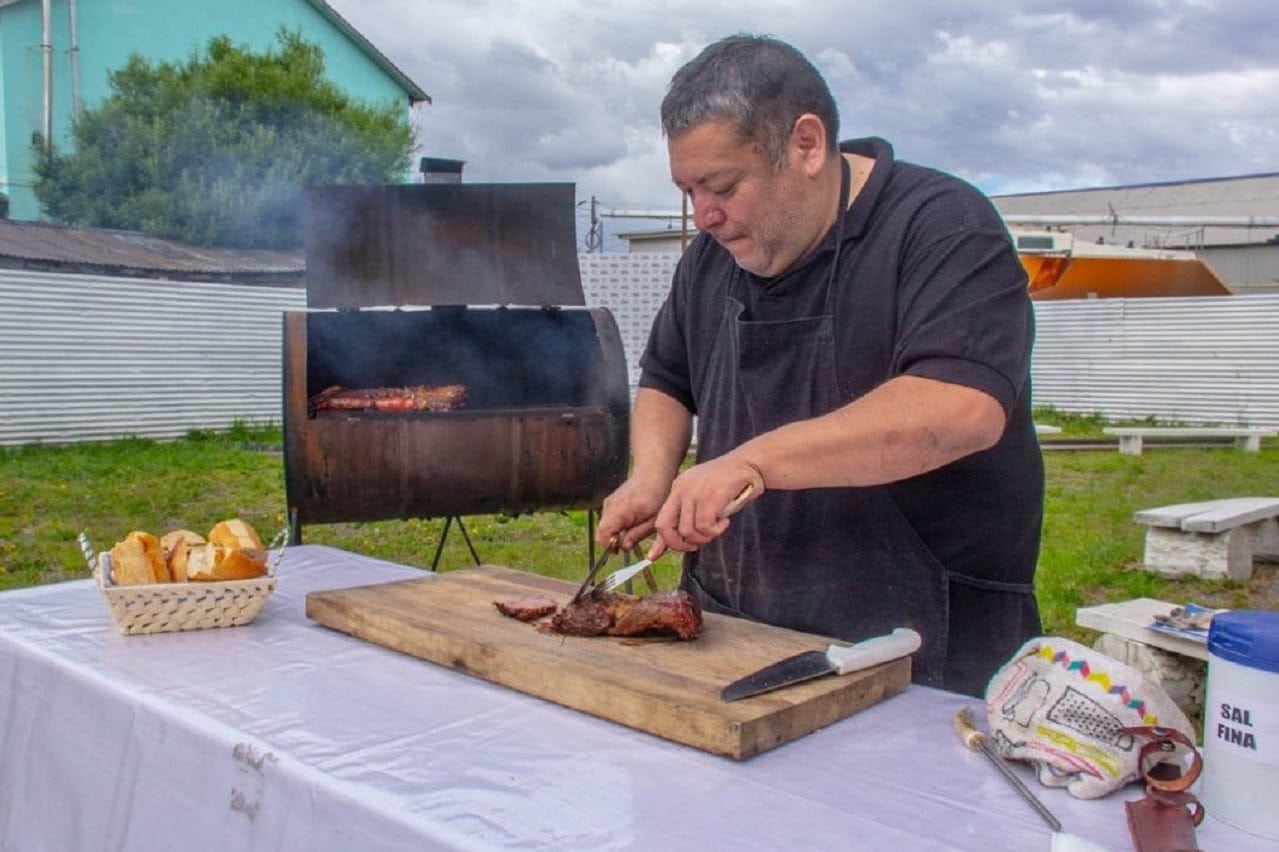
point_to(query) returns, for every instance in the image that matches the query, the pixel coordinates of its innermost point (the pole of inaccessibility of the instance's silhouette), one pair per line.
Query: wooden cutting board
(667, 688)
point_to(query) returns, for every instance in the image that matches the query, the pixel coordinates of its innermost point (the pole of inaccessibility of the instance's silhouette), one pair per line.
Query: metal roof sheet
(40, 245)
(1242, 196)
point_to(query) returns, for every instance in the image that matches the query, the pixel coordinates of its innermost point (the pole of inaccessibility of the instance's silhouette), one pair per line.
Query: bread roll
(236, 533)
(209, 562)
(169, 539)
(240, 563)
(177, 558)
(138, 559)
(199, 564)
(177, 548)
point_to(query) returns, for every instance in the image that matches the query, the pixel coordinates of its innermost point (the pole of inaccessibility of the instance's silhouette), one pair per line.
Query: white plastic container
(1240, 782)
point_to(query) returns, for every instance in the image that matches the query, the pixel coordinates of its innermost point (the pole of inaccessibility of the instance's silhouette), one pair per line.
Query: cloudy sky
(1015, 96)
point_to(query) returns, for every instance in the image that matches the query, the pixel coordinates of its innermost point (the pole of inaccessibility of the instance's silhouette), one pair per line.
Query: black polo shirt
(928, 284)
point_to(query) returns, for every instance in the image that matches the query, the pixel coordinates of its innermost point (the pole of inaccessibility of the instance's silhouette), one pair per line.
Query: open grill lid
(441, 244)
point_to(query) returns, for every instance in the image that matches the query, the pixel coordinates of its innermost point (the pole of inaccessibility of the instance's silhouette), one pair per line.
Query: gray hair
(760, 84)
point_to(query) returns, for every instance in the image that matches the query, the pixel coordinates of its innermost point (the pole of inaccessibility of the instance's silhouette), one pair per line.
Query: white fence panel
(87, 357)
(1202, 360)
(93, 357)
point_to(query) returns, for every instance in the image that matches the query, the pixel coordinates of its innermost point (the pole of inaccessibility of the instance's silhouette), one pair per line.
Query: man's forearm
(661, 429)
(906, 427)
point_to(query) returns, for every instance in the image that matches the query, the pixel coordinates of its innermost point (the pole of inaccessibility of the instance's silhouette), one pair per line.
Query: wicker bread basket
(166, 607)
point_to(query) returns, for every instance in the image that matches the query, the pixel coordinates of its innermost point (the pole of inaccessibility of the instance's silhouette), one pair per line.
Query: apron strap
(990, 585)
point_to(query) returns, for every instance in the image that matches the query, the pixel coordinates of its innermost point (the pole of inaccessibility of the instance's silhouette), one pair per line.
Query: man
(853, 335)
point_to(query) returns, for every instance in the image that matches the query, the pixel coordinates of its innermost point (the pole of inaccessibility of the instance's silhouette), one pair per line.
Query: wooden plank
(1171, 516)
(1231, 513)
(1132, 620)
(666, 688)
(1210, 516)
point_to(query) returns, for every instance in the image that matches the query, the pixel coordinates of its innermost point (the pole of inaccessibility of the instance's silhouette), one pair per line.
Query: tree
(216, 150)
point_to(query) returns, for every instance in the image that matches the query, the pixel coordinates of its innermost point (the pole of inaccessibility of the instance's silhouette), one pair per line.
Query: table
(283, 734)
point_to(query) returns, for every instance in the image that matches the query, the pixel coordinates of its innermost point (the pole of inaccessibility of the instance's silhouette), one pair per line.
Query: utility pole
(594, 235)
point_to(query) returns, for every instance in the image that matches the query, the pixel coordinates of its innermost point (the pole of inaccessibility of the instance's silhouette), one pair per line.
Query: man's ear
(808, 143)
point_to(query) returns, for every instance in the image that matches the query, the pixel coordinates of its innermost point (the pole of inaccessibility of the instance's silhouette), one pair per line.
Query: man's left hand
(693, 512)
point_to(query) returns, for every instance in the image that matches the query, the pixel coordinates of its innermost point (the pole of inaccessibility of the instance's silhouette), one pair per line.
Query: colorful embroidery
(1102, 679)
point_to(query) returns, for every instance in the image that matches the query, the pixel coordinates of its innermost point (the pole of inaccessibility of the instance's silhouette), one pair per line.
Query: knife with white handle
(836, 659)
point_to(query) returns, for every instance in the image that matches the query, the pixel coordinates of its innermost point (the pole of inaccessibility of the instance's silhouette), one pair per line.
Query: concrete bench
(1177, 664)
(1246, 438)
(1216, 539)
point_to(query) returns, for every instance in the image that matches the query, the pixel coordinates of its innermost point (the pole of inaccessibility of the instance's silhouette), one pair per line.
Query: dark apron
(841, 562)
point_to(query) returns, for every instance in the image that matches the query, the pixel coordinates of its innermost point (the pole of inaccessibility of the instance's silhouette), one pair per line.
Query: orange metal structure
(1061, 268)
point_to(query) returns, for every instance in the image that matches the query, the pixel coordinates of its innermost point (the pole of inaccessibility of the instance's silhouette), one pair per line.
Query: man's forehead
(709, 151)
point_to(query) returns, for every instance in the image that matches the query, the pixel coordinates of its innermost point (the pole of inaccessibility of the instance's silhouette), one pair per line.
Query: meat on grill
(527, 609)
(414, 398)
(673, 613)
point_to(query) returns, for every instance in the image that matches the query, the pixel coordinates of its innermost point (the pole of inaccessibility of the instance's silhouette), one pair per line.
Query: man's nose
(706, 214)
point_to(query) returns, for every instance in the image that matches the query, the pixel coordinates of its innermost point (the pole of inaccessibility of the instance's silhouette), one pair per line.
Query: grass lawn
(1091, 548)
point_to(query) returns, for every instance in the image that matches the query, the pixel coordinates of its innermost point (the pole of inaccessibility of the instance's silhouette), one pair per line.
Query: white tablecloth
(285, 735)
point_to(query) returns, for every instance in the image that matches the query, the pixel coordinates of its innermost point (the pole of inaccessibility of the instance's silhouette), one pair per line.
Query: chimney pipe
(437, 170)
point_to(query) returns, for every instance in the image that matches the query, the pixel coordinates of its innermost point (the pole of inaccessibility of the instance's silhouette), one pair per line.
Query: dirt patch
(1260, 591)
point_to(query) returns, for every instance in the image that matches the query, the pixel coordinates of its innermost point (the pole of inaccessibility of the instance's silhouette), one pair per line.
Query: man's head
(751, 131)
(757, 84)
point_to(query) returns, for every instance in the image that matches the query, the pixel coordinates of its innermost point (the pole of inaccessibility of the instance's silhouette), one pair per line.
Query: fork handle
(735, 505)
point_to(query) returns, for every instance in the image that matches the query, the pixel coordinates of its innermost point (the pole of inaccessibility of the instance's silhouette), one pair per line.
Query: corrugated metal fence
(89, 358)
(1193, 360)
(92, 358)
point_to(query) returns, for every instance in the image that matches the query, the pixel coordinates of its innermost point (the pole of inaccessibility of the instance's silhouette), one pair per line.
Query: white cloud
(1030, 94)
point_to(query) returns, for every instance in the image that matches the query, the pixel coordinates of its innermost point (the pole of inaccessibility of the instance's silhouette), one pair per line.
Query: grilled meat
(527, 609)
(411, 399)
(673, 613)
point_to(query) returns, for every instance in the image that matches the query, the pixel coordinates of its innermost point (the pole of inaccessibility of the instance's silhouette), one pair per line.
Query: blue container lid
(1247, 637)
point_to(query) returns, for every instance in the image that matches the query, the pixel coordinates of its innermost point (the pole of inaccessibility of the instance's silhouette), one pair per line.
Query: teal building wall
(159, 30)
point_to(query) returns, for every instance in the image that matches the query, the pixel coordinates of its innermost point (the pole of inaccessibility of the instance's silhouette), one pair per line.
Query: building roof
(416, 95)
(1242, 196)
(100, 251)
(1174, 212)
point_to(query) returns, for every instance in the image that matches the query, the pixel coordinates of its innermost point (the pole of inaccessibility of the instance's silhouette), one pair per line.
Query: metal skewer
(977, 741)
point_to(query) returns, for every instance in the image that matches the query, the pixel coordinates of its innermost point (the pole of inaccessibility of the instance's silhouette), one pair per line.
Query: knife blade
(836, 659)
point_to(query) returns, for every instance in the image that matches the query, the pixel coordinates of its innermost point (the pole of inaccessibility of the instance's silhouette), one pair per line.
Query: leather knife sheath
(1165, 819)
(1163, 822)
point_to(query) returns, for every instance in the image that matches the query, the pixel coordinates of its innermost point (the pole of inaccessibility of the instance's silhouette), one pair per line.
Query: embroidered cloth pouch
(1063, 707)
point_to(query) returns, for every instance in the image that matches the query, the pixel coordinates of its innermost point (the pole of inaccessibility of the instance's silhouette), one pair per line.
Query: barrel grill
(441, 286)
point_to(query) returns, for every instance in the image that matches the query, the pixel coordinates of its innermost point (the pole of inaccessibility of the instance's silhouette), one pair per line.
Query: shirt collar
(864, 204)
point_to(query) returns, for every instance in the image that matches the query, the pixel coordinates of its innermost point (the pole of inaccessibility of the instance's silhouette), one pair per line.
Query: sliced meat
(527, 609)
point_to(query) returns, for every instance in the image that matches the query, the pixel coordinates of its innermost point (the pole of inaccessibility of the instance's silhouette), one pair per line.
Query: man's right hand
(631, 511)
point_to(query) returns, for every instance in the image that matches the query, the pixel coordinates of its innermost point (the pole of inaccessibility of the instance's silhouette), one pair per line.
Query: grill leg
(439, 548)
(469, 546)
(590, 538)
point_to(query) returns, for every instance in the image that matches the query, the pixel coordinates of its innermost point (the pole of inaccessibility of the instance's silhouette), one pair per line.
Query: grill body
(546, 423)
